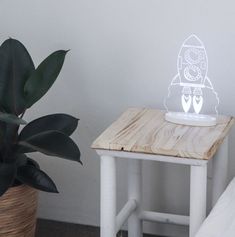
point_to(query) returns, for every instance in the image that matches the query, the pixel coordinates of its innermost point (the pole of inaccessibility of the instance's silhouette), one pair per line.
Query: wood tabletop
(146, 131)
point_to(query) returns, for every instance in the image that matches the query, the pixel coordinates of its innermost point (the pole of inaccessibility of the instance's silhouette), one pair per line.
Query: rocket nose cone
(193, 40)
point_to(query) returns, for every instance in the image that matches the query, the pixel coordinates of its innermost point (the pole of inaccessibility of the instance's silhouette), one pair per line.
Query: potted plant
(21, 86)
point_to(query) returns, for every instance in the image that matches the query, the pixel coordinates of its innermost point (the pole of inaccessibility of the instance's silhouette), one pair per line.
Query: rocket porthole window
(193, 55)
(192, 73)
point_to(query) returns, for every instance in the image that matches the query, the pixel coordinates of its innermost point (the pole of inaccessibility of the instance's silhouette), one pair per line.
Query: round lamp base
(190, 119)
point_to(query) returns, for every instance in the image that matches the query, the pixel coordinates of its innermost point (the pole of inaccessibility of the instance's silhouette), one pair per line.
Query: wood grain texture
(146, 131)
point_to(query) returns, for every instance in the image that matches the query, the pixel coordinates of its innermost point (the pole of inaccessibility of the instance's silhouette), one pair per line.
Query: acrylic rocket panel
(191, 90)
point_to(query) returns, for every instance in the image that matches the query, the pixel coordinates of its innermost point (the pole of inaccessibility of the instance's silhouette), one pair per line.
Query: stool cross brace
(111, 222)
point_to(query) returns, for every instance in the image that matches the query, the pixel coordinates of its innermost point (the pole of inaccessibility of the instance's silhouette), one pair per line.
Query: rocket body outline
(192, 69)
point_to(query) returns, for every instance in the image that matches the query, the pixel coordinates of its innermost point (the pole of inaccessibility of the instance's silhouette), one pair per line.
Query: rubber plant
(21, 86)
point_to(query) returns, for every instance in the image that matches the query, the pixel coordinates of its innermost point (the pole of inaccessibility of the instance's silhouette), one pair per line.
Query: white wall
(123, 53)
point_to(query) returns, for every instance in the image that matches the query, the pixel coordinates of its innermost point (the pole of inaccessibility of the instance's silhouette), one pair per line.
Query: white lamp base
(190, 119)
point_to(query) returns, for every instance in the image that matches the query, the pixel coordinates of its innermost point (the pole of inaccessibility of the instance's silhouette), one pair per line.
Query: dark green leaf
(33, 163)
(7, 176)
(43, 77)
(16, 66)
(3, 128)
(11, 118)
(60, 122)
(36, 178)
(23, 149)
(53, 143)
(21, 160)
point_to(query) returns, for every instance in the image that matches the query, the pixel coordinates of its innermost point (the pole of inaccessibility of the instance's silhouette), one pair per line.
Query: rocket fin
(208, 83)
(176, 80)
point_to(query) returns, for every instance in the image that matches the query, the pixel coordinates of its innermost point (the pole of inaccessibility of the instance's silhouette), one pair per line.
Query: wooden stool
(143, 134)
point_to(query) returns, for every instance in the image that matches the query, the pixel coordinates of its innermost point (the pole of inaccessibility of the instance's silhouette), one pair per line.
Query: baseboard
(48, 228)
(72, 216)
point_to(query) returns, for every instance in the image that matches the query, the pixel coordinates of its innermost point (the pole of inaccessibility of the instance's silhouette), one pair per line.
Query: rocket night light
(191, 88)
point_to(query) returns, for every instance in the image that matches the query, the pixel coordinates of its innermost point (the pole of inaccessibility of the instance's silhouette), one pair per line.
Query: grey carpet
(48, 228)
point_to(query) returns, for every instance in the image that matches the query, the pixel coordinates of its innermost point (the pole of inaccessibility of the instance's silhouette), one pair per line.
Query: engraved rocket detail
(192, 67)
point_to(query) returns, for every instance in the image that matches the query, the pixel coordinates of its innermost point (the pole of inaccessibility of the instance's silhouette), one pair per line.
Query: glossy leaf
(23, 149)
(60, 122)
(16, 66)
(3, 128)
(36, 178)
(11, 118)
(43, 77)
(7, 176)
(33, 163)
(21, 160)
(53, 143)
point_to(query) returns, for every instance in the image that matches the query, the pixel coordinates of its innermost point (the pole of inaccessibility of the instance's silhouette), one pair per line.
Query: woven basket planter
(18, 207)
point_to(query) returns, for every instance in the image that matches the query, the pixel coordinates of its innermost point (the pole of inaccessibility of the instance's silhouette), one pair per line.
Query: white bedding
(221, 220)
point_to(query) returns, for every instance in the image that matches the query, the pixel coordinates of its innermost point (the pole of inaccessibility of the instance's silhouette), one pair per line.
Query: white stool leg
(108, 197)
(135, 192)
(220, 170)
(198, 183)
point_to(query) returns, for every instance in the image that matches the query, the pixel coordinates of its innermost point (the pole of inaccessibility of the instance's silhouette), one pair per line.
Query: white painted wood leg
(198, 183)
(108, 197)
(135, 192)
(220, 170)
